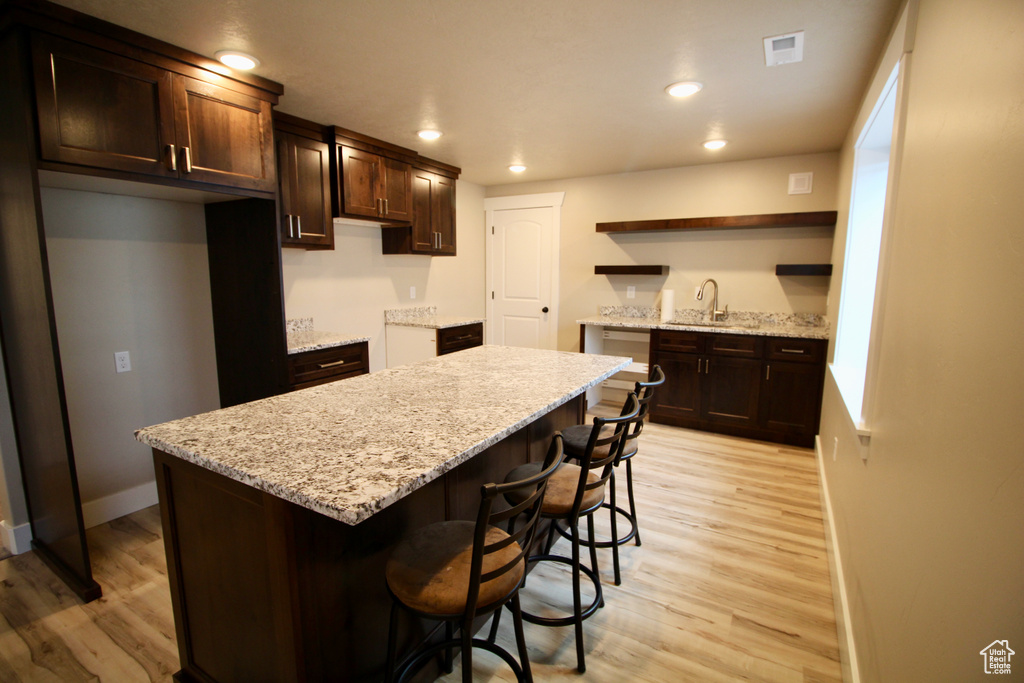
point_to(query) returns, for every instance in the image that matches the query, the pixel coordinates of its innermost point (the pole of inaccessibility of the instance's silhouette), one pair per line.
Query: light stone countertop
(745, 323)
(425, 316)
(348, 449)
(309, 340)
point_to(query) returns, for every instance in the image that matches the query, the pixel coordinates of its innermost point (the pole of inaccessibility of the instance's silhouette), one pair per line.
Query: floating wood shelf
(807, 219)
(630, 270)
(803, 269)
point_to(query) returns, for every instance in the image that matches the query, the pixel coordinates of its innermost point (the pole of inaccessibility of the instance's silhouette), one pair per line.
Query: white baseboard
(17, 539)
(102, 510)
(844, 625)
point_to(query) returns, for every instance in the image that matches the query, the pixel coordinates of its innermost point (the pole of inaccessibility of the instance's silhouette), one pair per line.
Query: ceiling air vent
(784, 49)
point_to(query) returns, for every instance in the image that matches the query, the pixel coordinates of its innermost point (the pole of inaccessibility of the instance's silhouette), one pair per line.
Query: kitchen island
(279, 515)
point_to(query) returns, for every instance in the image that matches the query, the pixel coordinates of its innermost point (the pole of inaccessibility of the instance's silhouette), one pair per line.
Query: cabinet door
(443, 215)
(732, 389)
(102, 110)
(792, 397)
(680, 396)
(424, 187)
(359, 173)
(224, 137)
(395, 188)
(304, 169)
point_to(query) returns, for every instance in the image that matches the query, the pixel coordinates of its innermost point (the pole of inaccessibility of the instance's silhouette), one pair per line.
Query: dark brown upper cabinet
(432, 231)
(374, 186)
(102, 111)
(304, 174)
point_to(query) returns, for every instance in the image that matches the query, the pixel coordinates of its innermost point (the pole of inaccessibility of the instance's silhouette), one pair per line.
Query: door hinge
(492, 229)
(492, 295)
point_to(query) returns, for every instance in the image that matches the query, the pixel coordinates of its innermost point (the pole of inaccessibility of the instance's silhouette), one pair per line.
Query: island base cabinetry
(766, 388)
(266, 590)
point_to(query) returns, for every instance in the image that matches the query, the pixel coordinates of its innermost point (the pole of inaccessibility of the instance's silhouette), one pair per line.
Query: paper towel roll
(668, 305)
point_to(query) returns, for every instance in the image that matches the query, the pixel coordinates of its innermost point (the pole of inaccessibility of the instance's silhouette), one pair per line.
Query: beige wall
(741, 261)
(346, 290)
(128, 274)
(929, 526)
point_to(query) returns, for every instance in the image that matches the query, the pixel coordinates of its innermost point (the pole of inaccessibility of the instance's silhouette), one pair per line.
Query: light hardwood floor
(731, 583)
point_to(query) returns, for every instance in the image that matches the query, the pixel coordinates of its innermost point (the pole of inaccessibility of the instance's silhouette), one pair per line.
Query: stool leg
(577, 601)
(467, 651)
(449, 634)
(495, 618)
(524, 656)
(615, 531)
(632, 505)
(389, 671)
(593, 549)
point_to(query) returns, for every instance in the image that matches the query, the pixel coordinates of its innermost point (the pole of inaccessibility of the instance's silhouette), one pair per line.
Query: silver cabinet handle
(172, 158)
(186, 159)
(698, 366)
(331, 365)
(387, 207)
(799, 351)
(767, 372)
(298, 225)
(291, 233)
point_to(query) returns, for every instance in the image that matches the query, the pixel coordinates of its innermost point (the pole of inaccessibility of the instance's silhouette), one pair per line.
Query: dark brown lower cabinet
(311, 368)
(766, 388)
(452, 339)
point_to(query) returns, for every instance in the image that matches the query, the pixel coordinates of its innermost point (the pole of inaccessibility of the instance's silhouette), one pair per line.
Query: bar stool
(576, 439)
(456, 571)
(576, 491)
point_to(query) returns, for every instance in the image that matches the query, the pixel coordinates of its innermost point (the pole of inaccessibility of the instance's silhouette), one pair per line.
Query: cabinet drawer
(801, 350)
(735, 345)
(453, 339)
(679, 341)
(325, 365)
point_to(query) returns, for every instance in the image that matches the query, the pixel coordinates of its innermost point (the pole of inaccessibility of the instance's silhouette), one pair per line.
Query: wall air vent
(784, 49)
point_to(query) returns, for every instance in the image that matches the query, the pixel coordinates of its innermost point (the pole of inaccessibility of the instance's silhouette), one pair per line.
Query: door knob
(544, 310)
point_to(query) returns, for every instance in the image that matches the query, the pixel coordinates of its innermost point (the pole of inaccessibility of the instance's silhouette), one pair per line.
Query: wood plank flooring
(731, 583)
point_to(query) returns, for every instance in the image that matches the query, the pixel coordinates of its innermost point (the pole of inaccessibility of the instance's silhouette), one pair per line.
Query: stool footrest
(622, 540)
(570, 619)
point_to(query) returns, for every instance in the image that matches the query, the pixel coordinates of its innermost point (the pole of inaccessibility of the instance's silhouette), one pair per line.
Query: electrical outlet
(630, 292)
(122, 361)
(412, 292)
(835, 448)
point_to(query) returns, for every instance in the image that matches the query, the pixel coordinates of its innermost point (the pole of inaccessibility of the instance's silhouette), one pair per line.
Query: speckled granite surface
(309, 340)
(302, 337)
(425, 316)
(796, 325)
(349, 449)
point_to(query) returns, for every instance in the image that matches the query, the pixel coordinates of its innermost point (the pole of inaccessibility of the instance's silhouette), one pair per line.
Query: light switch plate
(630, 292)
(412, 292)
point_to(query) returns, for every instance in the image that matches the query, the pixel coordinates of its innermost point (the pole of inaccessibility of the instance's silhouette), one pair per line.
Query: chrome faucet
(715, 313)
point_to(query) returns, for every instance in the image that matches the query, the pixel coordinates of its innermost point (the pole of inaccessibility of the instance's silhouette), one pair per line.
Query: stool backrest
(532, 489)
(645, 394)
(595, 460)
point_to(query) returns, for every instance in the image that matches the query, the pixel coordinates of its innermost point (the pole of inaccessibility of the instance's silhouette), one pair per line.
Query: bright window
(863, 245)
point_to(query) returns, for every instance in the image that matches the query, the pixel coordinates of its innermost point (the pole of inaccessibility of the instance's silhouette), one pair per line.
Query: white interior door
(523, 267)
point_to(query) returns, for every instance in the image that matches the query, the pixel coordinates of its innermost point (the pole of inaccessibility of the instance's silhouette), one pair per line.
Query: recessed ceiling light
(429, 134)
(237, 60)
(715, 144)
(517, 168)
(684, 89)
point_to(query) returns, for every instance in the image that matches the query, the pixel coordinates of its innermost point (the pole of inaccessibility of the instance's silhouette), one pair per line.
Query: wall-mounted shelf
(807, 219)
(630, 270)
(803, 269)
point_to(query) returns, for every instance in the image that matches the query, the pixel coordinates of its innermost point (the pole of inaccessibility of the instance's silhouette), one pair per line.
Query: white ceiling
(567, 87)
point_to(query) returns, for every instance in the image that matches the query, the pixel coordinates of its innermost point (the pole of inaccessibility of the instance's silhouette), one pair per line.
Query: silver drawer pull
(800, 351)
(331, 365)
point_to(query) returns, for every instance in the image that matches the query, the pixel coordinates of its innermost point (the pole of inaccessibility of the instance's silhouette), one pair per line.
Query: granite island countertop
(802, 326)
(425, 316)
(349, 449)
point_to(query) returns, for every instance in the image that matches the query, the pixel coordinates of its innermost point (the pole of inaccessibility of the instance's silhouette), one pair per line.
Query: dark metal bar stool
(576, 491)
(456, 571)
(576, 439)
